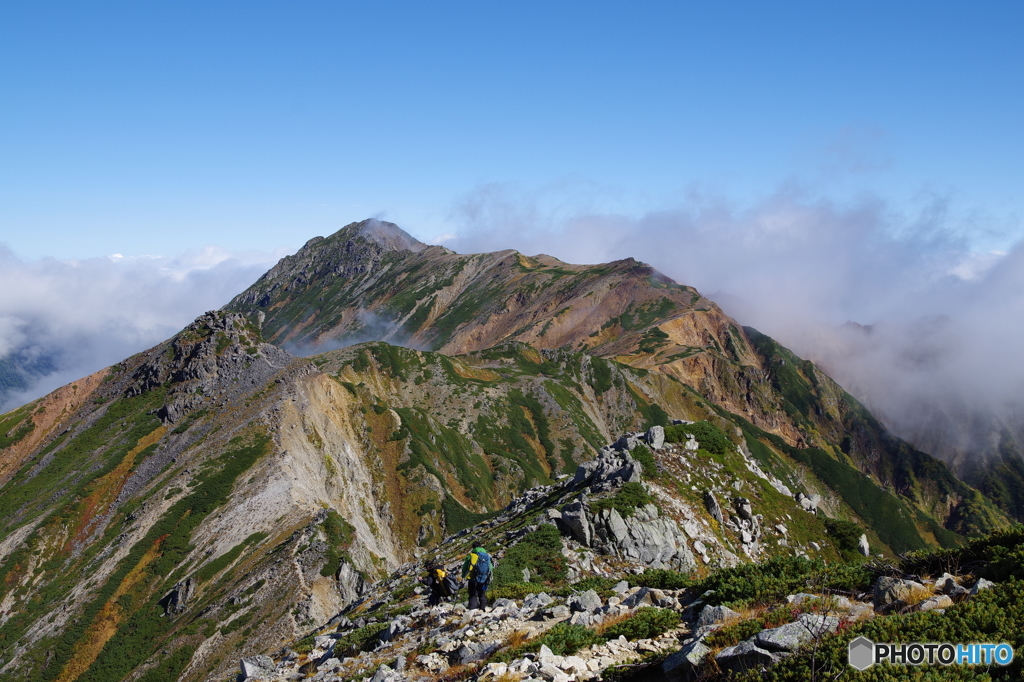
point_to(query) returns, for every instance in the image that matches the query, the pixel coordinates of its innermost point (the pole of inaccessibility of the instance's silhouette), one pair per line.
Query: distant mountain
(19, 370)
(218, 496)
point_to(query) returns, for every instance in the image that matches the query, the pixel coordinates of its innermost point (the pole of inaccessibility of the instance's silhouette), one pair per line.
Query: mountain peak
(387, 235)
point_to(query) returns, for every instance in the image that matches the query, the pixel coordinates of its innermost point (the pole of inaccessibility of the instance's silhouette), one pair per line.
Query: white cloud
(83, 315)
(946, 321)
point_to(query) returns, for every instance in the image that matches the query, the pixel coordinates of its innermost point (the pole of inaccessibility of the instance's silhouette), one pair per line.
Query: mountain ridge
(217, 496)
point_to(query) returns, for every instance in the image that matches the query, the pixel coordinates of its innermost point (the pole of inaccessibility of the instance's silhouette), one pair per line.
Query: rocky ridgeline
(213, 361)
(389, 634)
(427, 642)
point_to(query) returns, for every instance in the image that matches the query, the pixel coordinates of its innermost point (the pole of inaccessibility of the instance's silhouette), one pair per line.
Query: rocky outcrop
(175, 600)
(644, 537)
(610, 469)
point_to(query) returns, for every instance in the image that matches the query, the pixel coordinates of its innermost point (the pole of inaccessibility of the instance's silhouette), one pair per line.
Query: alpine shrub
(630, 496)
(539, 552)
(647, 622)
(710, 437)
(643, 455)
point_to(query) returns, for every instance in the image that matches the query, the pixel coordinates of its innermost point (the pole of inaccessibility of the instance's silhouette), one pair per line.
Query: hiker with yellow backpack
(478, 568)
(442, 585)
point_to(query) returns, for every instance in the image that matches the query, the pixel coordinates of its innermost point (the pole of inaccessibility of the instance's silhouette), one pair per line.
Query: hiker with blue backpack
(478, 569)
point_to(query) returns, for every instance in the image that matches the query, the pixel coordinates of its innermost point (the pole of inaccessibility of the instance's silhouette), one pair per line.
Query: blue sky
(156, 128)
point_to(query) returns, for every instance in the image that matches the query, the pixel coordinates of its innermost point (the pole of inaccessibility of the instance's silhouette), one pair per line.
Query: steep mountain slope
(356, 285)
(217, 496)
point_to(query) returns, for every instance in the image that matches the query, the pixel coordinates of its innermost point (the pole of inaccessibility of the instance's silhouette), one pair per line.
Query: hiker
(478, 568)
(435, 582)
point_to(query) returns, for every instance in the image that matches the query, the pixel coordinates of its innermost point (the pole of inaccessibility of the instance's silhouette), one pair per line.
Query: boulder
(638, 598)
(386, 674)
(948, 585)
(644, 538)
(469, 652)
(745, 656)
(863, 545)
(715, 509)
(655, 437)
(582, 618)
(890, 590)
(174, 601)
(681, 665)
(792, 636)
(982, 584)
(395, 628)
(258, 668)
(743, 508)
(714, 615)
(574, 521)
(939, 601)
(587, 602)
(627, 442)
(609, 469)
(536, 601)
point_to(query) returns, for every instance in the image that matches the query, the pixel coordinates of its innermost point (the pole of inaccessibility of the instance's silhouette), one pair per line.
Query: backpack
(482, 568)
(449, 586)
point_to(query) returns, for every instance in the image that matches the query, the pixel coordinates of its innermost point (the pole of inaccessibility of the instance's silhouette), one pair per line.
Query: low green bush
(642, 454)
(517, 590)
(630, 496)
(647, 622)
(662, 579)
(360, 639)
(994, 615)
(600, 584)
(540, 552)
(710, 437)
(564, 639)
(763, 583)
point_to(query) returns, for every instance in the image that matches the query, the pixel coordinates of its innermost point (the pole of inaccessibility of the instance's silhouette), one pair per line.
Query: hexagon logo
(861, 653)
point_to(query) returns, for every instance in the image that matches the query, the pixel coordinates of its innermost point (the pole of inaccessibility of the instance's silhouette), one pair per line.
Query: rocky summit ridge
(218, 497)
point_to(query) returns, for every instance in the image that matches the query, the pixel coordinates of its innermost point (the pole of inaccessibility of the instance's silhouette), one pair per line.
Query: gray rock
(536, 601)
(582, 618)
(743, 508)
(982, 584)
(655, 437)
(258, 668)
(713, 615)
(468, 652)
(939, 601)
(715, 509)
(574, 520)
(645, 538)
(588, 602)
(627, 442)
(745, 656)
(395, 628)
(863, 545)
(948, 585)
(681, 665)
(620, 587)
(175, 600)
(560, 612)
(792, 636)
(386, 674)
(638, 598)
(609, 469)
(890, 590)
